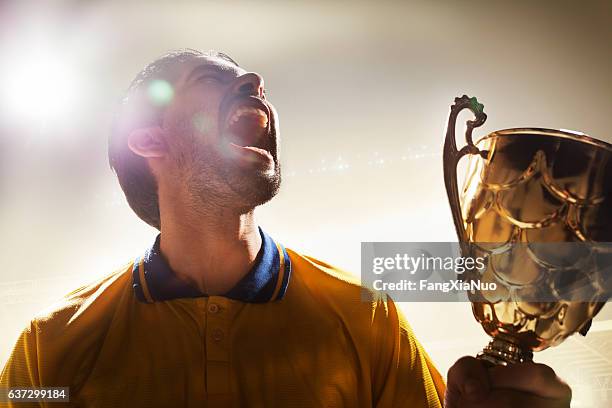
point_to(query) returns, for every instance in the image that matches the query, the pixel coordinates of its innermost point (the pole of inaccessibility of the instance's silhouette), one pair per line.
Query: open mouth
(247, 129)
(246, 119)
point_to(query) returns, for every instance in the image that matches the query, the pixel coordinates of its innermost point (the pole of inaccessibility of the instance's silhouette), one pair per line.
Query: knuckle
(467, 360)
(544, 374)
(567, 391)
(461, 364)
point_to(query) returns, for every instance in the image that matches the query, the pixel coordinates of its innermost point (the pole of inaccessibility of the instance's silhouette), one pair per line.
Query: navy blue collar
(153, 280)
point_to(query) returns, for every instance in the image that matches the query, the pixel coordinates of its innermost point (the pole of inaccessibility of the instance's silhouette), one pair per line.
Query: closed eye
(209, 78)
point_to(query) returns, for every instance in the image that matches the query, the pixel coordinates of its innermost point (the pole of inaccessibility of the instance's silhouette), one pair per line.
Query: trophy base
(504, 352)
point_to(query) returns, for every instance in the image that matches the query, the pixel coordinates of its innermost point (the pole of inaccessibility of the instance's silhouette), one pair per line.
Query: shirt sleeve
(403, 374)
(21, 369)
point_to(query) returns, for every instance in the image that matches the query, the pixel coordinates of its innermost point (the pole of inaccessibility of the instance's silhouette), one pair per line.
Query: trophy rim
(561, 133)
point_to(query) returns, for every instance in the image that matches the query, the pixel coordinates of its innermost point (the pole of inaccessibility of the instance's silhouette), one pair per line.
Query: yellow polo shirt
(295, 332)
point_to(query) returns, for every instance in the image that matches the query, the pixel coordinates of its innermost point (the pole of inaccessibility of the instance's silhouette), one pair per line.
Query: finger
(506, 398)
(468, 380)
(538, 379)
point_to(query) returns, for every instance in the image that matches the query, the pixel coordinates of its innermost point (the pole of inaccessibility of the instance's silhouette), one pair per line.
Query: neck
(212, 248)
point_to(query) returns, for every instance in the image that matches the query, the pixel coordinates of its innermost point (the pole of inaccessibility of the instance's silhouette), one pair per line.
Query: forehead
(203, 64)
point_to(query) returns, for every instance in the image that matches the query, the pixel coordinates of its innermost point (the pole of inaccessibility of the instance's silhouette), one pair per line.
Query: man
(217, 313)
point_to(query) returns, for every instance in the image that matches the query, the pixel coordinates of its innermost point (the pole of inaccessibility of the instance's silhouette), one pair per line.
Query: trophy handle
(452, 155)
(499, 351)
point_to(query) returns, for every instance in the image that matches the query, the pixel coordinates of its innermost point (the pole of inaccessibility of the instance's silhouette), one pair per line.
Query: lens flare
(160, 92)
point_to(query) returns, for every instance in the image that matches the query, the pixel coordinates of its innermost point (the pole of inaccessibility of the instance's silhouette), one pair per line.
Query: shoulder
(344, 291)
(317, 272)
(330, 285)
(60, 344)
(85, 307)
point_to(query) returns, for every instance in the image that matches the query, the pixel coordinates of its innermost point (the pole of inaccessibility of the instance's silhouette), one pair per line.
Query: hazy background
(362, 90)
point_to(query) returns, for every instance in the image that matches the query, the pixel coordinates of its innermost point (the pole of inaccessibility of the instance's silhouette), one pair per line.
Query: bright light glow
(160, 92)
(38, 86)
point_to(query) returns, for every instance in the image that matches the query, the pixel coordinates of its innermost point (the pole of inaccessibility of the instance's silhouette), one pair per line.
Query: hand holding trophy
(537, 205)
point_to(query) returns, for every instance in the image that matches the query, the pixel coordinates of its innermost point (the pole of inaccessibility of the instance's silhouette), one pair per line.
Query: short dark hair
(137, 110)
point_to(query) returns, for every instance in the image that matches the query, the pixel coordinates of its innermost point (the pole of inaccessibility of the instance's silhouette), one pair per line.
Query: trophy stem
(504, 352)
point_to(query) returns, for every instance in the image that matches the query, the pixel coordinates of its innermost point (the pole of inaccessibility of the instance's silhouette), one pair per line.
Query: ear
(148, 142)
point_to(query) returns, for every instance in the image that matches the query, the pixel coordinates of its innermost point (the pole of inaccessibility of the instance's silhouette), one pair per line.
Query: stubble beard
(214, 180)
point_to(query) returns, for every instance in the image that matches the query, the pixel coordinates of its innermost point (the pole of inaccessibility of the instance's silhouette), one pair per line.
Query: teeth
(249, 110)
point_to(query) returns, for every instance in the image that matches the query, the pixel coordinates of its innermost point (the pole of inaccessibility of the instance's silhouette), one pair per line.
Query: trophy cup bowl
(537, 205)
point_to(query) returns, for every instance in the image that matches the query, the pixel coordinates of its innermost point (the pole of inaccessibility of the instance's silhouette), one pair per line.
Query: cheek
(195, 115)
(205, 122)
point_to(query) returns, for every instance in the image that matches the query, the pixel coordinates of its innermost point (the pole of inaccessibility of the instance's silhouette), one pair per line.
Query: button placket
(217, 345)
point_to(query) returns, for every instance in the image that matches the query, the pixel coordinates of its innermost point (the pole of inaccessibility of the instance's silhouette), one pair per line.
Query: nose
(249, 84)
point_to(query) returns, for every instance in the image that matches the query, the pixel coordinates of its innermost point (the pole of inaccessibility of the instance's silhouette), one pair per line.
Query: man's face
(222, 134)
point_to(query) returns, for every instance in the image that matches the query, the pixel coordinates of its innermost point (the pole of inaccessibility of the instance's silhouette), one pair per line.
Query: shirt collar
(153, 280)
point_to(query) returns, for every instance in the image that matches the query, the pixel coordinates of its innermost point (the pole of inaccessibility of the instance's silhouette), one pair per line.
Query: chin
(255, 188)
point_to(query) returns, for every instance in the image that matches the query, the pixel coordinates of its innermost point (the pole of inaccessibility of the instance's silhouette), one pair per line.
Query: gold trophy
(537, 205)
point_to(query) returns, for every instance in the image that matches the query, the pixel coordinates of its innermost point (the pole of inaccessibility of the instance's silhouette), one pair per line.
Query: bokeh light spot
(160, 92)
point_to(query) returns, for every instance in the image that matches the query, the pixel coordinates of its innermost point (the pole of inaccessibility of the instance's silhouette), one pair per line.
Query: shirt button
(213, 308)
(217, 335)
